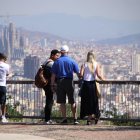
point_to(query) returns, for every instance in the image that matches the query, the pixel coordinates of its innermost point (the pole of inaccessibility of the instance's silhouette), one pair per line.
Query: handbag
(80, 85)
(97, 88)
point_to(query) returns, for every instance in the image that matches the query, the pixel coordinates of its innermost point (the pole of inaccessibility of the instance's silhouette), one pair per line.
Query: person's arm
(76, 69)
(78, 74)
(52, 82)
(98, 74)
(82, 71)
(7, 71)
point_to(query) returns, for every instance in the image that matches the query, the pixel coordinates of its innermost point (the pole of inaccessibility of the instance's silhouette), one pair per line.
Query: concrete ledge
(35, 131)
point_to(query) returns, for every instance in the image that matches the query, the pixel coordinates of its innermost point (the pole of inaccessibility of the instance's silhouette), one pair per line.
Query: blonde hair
(90, 61)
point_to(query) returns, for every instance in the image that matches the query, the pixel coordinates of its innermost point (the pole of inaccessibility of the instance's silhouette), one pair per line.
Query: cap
(64, 49)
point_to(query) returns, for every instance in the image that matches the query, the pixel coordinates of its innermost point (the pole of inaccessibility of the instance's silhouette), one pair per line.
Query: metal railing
(120, 100)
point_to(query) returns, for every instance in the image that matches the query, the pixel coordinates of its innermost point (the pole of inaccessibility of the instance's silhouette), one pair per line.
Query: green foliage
(11, 110)
(120, 123)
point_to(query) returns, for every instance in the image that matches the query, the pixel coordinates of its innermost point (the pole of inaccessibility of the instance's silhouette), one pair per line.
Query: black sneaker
(75, 121)
(64, 122)
(97, 119)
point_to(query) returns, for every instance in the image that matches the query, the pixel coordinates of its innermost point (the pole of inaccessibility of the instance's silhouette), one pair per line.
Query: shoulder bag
(97, 88)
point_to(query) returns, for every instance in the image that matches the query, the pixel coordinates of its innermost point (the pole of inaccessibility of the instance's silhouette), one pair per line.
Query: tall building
(1, 42)
(31, 66)
(1, 45)
(58, 44)
(22, 42)
(27, 42)
(12, 37)
(43, 42)
(135, 63)
(5, 37)
(17, 39)
(6, 48)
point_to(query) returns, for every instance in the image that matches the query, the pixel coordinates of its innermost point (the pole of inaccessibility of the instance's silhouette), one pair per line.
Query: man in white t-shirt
(4, 71)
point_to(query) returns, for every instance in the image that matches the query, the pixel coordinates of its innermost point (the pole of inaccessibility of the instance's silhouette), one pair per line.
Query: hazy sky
(114, 9)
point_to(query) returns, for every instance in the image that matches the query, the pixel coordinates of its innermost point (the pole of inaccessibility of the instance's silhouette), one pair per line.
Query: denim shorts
(2, 94)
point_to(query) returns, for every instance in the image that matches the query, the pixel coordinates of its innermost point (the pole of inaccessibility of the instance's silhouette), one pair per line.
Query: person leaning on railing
(89, 99)
(4, 71)
(62, 70)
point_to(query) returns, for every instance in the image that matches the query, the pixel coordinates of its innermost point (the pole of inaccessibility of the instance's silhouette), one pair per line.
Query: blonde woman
(89, 99)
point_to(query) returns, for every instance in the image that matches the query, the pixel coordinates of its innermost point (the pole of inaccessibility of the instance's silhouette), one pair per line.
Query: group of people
(61, 74)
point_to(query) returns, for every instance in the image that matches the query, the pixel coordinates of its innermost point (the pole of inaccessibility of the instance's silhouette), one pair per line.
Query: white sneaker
(50, 122)
(4, 120)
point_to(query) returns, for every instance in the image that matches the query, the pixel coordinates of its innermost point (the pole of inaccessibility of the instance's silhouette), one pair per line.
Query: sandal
(97, 118)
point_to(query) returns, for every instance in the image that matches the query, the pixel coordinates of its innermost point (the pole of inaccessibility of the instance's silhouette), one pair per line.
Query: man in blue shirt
(62, 70)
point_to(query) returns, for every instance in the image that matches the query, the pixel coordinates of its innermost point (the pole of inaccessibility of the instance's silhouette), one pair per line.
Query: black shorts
(2, 94)
(65, 87)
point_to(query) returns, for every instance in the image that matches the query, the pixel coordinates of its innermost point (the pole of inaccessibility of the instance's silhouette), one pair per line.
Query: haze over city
(75, 19)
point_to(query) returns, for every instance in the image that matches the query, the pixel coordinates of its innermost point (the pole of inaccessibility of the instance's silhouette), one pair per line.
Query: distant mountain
(33, 35)
(75, 27)
(130, 39)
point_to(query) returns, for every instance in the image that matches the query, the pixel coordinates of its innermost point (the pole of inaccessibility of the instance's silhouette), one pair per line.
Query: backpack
(40, 80)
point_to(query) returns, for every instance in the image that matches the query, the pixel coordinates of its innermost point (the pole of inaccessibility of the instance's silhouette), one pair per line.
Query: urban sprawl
(117, 63)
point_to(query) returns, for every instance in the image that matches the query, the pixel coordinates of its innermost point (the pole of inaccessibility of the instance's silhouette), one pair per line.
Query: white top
(88, 76)
(49, 64)
(4, 70)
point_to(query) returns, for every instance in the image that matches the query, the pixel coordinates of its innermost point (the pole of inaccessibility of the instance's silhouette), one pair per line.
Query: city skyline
(116, 60)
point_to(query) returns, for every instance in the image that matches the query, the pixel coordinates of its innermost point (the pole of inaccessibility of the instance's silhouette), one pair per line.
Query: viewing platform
(35, 131)
(119, 102)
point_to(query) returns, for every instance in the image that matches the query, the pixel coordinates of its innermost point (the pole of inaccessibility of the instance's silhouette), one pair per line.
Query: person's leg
(48, 107)
(70, 92)
(49, 103)
(3, 109)
(63, 110)
(3, 100)
(61, 96)
(97, 117)
(89, 120)
(74, 110)
(89, 117)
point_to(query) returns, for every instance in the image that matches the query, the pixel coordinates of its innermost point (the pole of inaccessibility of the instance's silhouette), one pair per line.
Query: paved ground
(22, 131)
